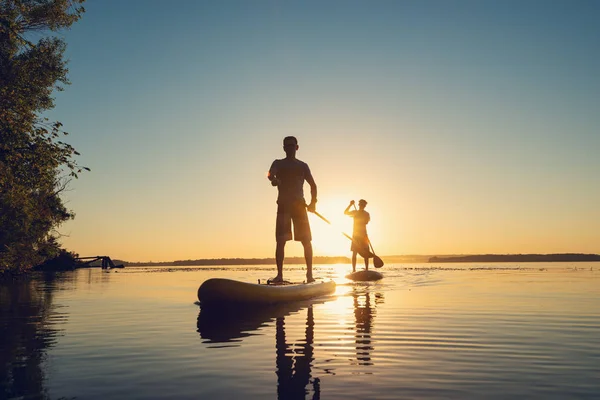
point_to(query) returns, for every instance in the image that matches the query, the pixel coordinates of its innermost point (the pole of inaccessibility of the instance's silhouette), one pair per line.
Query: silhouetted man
(360, 239)
(289, 174)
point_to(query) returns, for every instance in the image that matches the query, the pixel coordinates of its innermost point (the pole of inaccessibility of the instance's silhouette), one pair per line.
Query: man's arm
(272, 174)
(347, 210)
(313, 190)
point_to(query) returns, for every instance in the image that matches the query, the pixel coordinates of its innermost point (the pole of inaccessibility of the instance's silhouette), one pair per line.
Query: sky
(469, 126)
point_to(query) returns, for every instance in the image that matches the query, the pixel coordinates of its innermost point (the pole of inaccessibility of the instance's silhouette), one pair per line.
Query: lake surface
(427, 331)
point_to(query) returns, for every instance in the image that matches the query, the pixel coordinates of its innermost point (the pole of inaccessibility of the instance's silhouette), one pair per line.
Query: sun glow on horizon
(328, 240)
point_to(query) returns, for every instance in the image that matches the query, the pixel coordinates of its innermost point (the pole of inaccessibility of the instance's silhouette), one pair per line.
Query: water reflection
(293, 361)
(228, 325)
(364, 313)
(28, 329)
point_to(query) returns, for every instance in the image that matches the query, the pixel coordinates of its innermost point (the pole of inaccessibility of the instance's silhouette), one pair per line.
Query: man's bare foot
(309, 280)
(277, 279)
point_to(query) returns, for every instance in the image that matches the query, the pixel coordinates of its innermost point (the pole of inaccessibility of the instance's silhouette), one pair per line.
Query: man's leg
(283, 233)
(308, 256)
(279, 255)
(302, 234)
(364, 243)
(354, 261)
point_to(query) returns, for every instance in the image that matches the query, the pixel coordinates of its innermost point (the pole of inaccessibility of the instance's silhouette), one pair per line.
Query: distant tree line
(35, 165)
(563, 257)
(240, 261)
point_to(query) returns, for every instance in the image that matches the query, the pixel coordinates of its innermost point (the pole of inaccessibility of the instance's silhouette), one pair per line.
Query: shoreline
(410, 259)
(67, 264)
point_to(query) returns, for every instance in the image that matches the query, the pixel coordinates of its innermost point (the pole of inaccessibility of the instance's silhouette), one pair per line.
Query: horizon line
(385, 256)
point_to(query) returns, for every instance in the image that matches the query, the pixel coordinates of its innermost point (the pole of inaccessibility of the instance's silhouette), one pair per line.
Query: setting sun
(328, 240)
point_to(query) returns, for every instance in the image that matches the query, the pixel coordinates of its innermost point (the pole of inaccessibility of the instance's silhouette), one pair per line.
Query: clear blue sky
(469, 126)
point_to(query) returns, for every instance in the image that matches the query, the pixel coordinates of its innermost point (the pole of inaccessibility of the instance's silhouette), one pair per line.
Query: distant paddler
(360, 238)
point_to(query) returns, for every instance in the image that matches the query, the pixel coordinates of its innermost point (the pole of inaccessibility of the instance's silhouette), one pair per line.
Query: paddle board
(365, 276)
(220, 290)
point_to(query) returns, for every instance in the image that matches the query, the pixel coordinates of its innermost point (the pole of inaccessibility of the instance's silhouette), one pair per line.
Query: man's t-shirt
(361, 219)
(291, 175)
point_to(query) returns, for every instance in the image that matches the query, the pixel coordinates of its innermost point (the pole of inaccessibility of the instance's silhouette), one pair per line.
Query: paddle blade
(377, 262)
(365, 253)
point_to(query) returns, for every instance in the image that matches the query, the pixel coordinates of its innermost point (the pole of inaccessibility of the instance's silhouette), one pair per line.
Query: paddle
(377, 262)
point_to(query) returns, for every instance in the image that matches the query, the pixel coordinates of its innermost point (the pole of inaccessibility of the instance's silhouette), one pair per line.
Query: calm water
(425, 331)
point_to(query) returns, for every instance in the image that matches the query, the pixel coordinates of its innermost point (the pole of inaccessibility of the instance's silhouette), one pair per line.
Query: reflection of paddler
(294, 362)
(363, 315)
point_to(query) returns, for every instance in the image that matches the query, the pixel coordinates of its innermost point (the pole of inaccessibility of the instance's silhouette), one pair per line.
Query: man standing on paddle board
(360, 239)
(289, 174)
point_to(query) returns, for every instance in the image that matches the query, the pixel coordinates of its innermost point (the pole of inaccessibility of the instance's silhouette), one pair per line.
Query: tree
(35, 166)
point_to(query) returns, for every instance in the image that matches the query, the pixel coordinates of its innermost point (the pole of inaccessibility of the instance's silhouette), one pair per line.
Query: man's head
(362, 204)
(290, 145)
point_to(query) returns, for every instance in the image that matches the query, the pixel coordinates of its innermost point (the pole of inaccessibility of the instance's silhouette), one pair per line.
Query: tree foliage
(35, 165)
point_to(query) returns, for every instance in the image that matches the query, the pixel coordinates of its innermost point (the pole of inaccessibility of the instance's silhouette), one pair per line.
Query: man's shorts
(360, 244)
(296, 213)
